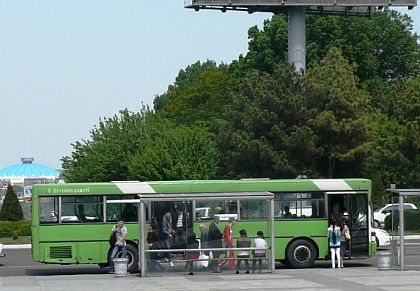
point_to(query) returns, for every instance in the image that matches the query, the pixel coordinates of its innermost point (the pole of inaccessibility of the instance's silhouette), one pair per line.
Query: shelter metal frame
(182, 197)
(401, 193)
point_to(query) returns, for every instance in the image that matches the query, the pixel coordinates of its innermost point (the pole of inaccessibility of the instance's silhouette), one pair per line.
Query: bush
(6, 228)
(25, 228)
(411, 220)
(15, 229)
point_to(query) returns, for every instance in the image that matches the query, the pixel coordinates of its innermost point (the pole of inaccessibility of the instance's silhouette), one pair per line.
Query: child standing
(333, 233)
(259, 242)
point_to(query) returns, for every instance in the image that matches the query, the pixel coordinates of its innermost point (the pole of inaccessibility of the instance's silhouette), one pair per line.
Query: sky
(64, 65)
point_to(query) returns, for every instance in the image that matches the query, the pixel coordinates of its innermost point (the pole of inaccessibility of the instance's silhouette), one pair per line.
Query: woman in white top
(333, 234)
(259, 242)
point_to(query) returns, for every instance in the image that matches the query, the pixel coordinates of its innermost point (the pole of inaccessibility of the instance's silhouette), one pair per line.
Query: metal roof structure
(27, 170)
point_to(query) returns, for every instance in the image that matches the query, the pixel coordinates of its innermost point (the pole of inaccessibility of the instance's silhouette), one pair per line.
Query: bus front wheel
(301, 254)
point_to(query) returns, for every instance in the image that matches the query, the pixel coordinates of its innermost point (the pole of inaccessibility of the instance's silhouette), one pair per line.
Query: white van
(205, 213)
(380, 213)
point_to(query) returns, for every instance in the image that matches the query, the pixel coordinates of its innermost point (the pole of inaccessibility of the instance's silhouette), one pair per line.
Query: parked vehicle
(1, 251)
(382, 237)
(380, 213)
(205, 212)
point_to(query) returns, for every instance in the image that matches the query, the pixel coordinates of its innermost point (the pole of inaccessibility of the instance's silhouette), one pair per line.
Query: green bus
(61, 236)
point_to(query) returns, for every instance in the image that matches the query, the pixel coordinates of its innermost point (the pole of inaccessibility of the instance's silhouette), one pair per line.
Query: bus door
(353, 207)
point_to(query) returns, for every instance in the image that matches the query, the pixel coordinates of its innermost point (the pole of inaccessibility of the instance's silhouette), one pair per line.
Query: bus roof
(197, 186)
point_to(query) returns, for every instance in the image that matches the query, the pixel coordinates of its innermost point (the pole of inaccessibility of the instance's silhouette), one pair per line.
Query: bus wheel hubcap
(302, 254)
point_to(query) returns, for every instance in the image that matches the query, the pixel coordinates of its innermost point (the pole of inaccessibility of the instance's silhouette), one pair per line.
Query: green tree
(383, 46)
(175, 153)
(141, 146)
(398, 136)
(201, 103)
(11, 209)
(264, 132)
(342, 116)
(105, 157)
(184, 79)
(265, 48)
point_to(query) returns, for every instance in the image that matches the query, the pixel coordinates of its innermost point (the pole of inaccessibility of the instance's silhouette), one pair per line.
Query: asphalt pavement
(322, 279)
(358, 275)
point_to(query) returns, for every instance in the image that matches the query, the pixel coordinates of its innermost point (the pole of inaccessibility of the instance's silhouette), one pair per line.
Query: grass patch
(23, 240)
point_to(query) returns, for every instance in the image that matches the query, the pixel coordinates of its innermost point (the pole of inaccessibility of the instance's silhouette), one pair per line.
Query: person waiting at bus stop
(215, 242)
(120, 232)
(243, 242)
(153, 242)
(167, 234)
(179, 226)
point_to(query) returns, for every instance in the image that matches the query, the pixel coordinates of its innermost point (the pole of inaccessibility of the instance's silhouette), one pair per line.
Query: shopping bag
(203, 263)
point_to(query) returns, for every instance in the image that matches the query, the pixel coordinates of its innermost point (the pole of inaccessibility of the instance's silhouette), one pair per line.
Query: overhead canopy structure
(346, 7)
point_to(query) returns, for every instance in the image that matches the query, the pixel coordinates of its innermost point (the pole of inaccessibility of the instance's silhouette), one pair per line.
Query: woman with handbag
(344, 240)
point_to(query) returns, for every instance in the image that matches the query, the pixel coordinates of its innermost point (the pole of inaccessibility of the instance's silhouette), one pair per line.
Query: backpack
(334, 237)
(113, 239)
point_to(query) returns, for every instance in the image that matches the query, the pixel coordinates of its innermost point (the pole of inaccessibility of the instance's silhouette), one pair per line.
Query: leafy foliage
(141, 146)
(266, 47)
(263, 133)
(185, 79)
(176, 153)
(17, 228)
(201, 103)
(11, 209)
(398, 137)
(341, 113)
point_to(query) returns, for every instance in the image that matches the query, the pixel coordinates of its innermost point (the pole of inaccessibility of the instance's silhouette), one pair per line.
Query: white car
(1, 251)
(380, 213)
(382, 237)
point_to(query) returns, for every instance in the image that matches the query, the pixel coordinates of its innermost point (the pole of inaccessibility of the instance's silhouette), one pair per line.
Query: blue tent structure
(28, 170)
(27, 174)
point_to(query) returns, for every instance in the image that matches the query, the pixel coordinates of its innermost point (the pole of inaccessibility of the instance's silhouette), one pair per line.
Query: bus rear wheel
(301, 254)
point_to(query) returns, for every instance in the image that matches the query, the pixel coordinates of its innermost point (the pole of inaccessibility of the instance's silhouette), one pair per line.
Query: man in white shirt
(180, 226)
(120, 231)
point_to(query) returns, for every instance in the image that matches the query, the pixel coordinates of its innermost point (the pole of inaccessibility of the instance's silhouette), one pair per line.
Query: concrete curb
(11, 247)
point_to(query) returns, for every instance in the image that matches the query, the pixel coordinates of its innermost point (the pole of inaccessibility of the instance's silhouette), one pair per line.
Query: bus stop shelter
(406, 249)
(208, 197)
